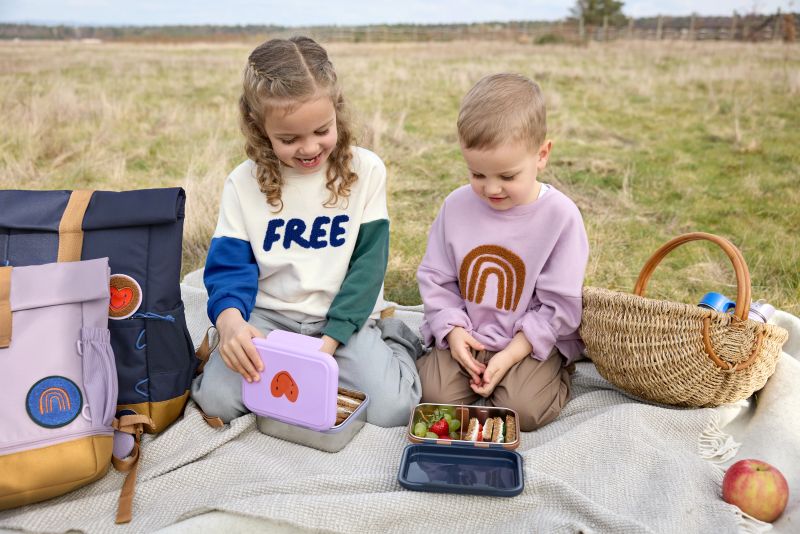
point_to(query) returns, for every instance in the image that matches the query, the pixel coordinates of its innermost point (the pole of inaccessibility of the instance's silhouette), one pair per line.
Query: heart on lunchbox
(125, 296)
(283, 384)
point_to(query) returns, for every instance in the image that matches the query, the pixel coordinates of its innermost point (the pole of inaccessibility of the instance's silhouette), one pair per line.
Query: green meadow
(651, 140)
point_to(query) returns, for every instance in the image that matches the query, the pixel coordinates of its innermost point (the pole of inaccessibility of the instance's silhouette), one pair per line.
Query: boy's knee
(433, 394)
(536, 413)
(530, 420)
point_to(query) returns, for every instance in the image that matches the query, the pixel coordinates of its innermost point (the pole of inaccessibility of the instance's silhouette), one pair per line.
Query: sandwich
(347, 402)
(493, 430)
(473, 430)
(511, 429)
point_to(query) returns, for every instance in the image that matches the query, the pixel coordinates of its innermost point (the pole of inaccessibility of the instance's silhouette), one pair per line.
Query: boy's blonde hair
(502, 108)
(282, 74)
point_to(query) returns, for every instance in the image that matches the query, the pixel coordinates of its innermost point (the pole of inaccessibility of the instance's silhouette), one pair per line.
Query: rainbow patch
(54, 402)
(505, 267)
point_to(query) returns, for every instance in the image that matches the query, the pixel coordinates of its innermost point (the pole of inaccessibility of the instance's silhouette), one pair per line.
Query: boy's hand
(461, 342)
(329, 345)
(236, 344)
(496, 369)
(518, 349)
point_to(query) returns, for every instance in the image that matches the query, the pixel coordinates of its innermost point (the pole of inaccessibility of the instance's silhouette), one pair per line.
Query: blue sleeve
(231, 277)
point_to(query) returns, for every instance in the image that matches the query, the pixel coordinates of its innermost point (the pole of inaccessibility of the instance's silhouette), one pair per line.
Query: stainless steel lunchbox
(456, 464)
(463, 413)
(332, 440)
(297, 400)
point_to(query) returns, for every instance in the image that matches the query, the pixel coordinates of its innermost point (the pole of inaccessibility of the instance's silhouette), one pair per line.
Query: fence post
(691, 27)
(581, 29)
(605, 28)
(776, 32)
(746, 28)
(659, 28)
(630, 28)
(733, 26)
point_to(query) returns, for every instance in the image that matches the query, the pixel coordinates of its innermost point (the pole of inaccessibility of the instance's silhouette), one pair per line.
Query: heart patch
(120, 298)
(125, 296)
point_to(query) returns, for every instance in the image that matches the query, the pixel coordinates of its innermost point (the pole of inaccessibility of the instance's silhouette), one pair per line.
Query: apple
(757, 488)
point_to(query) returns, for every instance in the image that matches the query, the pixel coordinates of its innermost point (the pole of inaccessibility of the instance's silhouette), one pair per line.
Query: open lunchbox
(462, 449)
(298, 398)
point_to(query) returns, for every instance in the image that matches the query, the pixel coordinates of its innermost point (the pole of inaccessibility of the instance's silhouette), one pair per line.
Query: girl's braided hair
(285, 73)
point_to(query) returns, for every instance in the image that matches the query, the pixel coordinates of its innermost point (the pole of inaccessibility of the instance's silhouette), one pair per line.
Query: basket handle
(739, 266)
(743, 296)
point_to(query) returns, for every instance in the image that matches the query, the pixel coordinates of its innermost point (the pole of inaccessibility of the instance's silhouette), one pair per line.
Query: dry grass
(651, 140)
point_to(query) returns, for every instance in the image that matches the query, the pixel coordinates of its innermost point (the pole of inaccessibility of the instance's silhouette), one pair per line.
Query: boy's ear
(544, 154)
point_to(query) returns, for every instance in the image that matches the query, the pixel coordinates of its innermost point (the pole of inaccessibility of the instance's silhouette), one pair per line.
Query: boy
(502, 276)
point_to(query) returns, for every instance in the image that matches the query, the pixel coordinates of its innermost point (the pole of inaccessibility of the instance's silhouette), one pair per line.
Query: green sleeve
(361, 286)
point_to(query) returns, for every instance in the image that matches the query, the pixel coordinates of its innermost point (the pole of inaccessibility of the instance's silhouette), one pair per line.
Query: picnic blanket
(609, 463)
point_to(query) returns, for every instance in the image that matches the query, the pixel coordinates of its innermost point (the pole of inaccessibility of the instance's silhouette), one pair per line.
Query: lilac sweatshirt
(496, 273)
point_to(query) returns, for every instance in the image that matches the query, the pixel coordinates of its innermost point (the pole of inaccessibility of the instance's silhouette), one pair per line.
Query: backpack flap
(55, 434)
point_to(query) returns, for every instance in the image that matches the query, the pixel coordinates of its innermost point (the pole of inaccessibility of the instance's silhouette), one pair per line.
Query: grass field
(650, 139)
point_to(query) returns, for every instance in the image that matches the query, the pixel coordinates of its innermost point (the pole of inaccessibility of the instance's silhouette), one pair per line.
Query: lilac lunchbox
(296, 398)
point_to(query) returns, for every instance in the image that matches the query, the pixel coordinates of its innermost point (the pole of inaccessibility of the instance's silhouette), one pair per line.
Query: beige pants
(536, 390)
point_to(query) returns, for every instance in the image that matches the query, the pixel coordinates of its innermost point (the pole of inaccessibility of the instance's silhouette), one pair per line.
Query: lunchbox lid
(466, 470)
(298, 384)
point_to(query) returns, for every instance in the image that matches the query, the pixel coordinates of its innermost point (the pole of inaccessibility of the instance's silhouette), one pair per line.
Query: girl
(302, 241)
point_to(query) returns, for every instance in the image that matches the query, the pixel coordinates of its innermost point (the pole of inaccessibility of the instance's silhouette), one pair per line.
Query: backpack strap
(203, 353)
(70, 229)
(212, 420)
(130, 424)
(5, 307)
(205, 349)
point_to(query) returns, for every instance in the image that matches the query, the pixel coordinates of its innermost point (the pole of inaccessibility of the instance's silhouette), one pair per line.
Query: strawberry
(441, 428)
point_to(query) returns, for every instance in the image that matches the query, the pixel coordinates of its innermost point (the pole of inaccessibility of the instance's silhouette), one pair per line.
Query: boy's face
(505, 176)
(304, 137)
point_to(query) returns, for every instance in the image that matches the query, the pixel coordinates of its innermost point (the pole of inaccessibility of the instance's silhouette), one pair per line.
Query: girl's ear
(544, 154)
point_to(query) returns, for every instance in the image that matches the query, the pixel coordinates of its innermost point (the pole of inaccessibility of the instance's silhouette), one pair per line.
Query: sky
(343, 13)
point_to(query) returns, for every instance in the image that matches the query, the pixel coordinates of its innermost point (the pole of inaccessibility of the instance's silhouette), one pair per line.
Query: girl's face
(305, 136)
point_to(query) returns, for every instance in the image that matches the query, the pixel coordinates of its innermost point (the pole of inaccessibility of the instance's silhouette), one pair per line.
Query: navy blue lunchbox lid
(466, 470)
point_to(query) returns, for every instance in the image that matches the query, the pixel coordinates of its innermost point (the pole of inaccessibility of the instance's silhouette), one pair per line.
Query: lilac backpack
(58, 385)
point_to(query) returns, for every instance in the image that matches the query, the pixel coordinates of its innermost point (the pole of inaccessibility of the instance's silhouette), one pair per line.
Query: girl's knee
(389, 411)
(217, 402)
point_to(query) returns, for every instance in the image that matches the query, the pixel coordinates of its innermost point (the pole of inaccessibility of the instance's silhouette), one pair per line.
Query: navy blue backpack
(141, 233)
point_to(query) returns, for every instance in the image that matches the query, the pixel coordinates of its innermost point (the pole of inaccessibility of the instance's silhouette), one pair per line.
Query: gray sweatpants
(378, 360)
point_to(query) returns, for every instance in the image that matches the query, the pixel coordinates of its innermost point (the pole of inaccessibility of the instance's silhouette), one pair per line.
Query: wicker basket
(680, 354)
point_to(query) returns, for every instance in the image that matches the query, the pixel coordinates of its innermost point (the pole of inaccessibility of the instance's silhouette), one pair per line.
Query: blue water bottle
(718, 302)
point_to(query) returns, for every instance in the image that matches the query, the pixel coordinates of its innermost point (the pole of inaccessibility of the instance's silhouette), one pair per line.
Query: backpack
(58, 383)
(140, 232)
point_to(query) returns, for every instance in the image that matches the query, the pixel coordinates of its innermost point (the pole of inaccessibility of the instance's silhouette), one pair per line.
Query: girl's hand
(329, 345)
(236, 344)
(461, 343)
